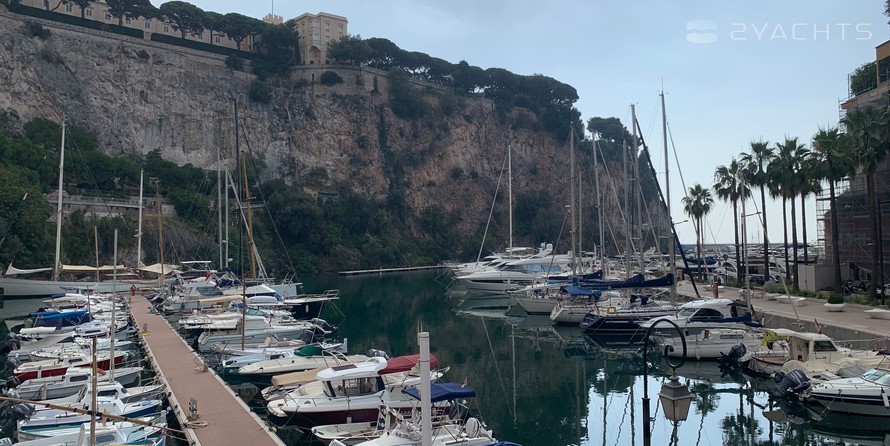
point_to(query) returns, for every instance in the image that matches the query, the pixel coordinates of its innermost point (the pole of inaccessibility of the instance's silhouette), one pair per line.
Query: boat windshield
(685, 313)
(824, 346)
(879, 377)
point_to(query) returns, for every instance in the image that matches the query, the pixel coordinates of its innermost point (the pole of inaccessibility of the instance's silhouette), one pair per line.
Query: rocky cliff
(138, 96)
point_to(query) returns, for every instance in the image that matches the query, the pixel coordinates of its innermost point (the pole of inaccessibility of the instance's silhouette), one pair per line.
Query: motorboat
(274, 353)
(71, 382)
(54, 422)
(712, 343)
(810, 352)
(350, 392)
(54, 367)
(304, 358)
(698, 315)
(626, 320)
(67, 349)
(109, 433)
(516, 273)
(446, 426)
(863, 395)
(257, 329)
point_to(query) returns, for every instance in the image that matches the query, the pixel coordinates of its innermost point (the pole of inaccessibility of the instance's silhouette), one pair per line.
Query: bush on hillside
(330, 78)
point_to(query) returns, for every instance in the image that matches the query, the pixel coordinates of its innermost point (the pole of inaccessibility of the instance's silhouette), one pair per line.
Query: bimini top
(443, 392)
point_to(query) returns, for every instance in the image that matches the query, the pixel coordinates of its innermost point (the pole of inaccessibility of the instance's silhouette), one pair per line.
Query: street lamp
(674, 397)
(881, 253)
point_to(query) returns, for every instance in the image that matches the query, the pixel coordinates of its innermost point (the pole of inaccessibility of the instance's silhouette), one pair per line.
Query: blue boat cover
(52, 315)
(576, 291)
(443, 392)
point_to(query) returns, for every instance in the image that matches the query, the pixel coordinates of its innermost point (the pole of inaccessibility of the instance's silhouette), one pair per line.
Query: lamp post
(881, 253)
(675, 397)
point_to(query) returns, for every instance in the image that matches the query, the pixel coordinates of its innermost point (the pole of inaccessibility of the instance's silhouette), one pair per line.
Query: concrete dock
(223, 417)
(848, 325)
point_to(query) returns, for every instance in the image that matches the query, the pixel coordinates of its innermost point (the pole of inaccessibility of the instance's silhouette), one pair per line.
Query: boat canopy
(157, 267)
(91, 269)
(406, 363)
(443, 392)
(13, 271)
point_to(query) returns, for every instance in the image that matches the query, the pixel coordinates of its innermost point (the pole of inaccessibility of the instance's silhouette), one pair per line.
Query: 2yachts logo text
(708, 31)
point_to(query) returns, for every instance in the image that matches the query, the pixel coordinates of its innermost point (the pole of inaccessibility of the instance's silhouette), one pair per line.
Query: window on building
(217, 39)
(128, 21)
(340, 28)
(89, 12)
(108, 16)
(166, 29)
(69, 7)
(147, 24)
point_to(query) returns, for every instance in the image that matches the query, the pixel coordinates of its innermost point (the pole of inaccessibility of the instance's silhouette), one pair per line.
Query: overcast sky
(732, 71)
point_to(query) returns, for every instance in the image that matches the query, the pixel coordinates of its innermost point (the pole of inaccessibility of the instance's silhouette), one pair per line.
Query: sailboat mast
(160, 230)
(742, 187)
(580, 227)
(510, 194)
(667, 191)
(638, 186)
(95, 395)
(572, 197)
(139, 229)
(96, 247)
(249, 218)
(113, 328)
(599, 203)
(627, 253)
(226, 218)
(57, 266)
(219, 207)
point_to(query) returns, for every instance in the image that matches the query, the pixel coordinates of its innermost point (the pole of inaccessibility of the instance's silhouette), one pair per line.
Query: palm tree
(833, 164)
(810, 183)
(697, 204)
(729, 187)
(785, 170)
(868, 131)
(755, 164)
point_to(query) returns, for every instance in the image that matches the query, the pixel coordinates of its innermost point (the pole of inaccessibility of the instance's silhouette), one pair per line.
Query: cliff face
(139, 96)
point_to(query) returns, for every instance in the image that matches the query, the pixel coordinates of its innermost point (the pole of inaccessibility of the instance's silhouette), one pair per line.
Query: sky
(732, 72)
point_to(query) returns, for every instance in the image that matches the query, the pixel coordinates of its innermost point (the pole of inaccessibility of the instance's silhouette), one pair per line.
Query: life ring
(611, 310)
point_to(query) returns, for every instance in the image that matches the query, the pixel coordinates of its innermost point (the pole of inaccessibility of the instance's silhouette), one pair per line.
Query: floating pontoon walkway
(389, 270)
(225, 417)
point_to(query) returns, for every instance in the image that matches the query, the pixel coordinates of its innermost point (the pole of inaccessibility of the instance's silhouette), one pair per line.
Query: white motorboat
(68, 349)
(810, 352)
(109, 433)
(305, 358)
(713, 343)
(54, 422)
(867, 394)
(350, 392)
(54, 367)
(516, 273)
(275, 353)
(257, 329)
(698, 315)
(74, 379)
(356, 433)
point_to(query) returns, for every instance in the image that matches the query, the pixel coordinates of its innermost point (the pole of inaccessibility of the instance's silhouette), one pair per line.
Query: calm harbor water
(544, 386)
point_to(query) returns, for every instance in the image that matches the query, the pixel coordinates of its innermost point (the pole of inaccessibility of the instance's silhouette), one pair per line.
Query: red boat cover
(405, 363)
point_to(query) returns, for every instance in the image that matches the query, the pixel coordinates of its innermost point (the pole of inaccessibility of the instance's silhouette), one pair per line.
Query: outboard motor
(795, 382)
(731, 359)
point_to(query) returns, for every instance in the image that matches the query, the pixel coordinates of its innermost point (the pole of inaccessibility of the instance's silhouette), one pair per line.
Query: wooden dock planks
(230, 419)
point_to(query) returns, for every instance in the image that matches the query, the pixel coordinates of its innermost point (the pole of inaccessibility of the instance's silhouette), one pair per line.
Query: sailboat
(12, 285)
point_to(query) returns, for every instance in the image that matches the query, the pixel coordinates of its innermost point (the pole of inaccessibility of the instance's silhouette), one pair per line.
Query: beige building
(316, 31)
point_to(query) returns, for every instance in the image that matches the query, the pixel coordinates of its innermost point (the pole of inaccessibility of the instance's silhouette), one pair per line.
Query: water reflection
(544, 385)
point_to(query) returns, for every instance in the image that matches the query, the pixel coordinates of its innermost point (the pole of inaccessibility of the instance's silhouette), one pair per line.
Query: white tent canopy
(156, 268)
